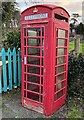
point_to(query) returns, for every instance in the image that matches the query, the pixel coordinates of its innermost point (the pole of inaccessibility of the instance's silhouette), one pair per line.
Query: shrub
(76, 75)
(12, 40)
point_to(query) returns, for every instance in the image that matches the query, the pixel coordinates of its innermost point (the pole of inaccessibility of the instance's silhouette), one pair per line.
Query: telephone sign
(36, 16)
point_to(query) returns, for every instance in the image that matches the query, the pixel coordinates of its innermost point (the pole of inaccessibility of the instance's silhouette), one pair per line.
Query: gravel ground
(11, 107)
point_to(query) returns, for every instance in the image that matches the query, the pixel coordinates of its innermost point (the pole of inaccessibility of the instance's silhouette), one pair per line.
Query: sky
(70, 5)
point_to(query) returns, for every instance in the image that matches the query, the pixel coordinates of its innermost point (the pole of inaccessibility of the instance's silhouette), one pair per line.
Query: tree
(7, 11)
(10, 23)
(71, 27)
(80, 29)
(9, 14)
(73, 23)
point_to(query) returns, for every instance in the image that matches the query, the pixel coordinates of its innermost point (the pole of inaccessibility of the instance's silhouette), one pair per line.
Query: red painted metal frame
(50, 25)
(59, 102)
(32, 101)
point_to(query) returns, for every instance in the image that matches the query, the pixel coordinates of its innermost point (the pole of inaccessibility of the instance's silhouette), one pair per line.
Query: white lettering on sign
(36, 16)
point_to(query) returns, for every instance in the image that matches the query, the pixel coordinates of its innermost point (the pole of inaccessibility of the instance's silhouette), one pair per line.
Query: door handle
(25, 60)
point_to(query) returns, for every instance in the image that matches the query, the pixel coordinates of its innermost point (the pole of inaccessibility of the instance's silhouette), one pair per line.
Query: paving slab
(12, 108)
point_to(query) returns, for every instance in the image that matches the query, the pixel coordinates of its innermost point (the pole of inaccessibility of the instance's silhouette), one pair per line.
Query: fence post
(4, 70)
(9, 69)
(14, 68)
(77, 44)
(19, 68)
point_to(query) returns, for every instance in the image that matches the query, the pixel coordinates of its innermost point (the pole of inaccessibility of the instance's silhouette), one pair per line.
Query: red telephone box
(44, 43)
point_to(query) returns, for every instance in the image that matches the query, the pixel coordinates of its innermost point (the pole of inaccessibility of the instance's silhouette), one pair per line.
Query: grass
(71, 47)
(75, 107)
(75, 113)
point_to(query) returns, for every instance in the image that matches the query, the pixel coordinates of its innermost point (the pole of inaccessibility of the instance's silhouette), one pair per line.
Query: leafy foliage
(80, 29)
(7, 11)
(71, 27)
(12, 40)
(76, 75)
(10, 17)
(75, 113)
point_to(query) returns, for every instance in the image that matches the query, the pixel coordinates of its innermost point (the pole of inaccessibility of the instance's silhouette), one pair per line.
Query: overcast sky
(70, 5)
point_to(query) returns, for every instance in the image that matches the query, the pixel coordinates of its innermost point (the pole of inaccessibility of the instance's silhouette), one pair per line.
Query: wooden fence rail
(10, 69)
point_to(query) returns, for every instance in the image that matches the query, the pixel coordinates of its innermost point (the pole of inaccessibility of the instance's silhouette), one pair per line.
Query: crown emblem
(35, 10)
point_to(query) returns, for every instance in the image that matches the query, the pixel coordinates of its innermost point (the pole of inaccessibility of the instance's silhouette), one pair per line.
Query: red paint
(44, 80)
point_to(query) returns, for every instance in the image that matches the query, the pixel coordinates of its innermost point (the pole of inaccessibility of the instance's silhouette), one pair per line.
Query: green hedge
(76, 76)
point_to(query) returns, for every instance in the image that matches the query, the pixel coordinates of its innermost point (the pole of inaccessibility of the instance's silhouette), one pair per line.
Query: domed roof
(50, 6)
